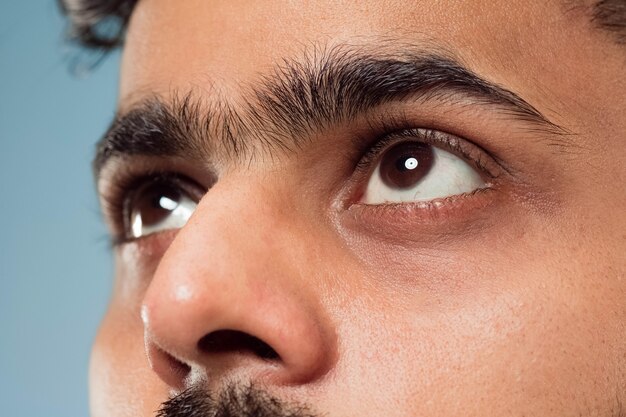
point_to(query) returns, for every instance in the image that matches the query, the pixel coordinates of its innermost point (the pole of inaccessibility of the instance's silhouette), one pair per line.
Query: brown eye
(158, 205)
(404, 165)
(416, 171)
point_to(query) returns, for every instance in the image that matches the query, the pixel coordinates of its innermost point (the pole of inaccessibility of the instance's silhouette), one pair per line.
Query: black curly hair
(101, 24)
(97, 24)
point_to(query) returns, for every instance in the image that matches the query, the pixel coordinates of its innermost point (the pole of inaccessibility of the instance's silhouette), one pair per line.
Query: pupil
(155, 202)
(406, 164)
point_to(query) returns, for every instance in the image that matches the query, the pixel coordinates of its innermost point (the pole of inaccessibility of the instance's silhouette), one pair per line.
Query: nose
(231, 298)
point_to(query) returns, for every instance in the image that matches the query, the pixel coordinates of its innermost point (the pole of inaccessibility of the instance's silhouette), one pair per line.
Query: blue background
(55, 269)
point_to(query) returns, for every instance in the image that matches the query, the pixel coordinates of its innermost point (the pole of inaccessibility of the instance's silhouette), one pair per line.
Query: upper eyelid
(474, 154)
(121, 172)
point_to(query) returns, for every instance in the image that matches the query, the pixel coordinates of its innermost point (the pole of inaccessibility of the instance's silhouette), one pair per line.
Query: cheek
(505, 321)
(530, 351)
(120, 381)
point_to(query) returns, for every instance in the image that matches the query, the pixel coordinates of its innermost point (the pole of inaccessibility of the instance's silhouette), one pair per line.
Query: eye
(160, 204)
(415, 171)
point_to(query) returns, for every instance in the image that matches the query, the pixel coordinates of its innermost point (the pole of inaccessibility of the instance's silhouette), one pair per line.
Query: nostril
(222, 341)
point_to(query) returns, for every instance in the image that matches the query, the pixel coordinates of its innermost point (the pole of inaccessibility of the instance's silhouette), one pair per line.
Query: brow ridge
(300, 97)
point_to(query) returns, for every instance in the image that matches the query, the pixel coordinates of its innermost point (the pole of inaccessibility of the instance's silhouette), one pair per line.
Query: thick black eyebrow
(302, 97)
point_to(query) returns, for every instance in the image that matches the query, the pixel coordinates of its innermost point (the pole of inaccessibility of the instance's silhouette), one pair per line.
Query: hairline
(85, 17)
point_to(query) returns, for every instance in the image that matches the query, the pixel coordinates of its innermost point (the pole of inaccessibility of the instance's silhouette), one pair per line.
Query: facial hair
(234, 401)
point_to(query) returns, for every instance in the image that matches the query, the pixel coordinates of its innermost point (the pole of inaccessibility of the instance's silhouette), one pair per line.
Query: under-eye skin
(424, 168)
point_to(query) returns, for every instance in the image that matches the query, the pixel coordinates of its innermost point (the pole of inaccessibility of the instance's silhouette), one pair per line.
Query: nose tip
(198, 321)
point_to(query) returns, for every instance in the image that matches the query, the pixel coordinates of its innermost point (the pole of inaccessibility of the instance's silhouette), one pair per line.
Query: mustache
(233, 401)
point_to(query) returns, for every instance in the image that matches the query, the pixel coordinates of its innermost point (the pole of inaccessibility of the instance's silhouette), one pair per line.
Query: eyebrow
(299, 98)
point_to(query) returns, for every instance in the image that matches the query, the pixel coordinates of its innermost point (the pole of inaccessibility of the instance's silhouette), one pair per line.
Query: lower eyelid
(401, 221)
(435, 205)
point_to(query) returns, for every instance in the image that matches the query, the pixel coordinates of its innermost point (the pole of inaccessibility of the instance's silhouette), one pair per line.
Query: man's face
(375, 208)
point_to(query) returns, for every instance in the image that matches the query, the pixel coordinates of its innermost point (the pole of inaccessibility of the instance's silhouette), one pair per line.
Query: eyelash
(116, 199)
(470, 152)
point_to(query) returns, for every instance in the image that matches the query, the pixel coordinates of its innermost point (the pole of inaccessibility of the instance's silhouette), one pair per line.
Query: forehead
(199, 43)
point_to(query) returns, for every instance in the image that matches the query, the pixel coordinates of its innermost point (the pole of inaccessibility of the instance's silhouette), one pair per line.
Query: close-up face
(373, 208)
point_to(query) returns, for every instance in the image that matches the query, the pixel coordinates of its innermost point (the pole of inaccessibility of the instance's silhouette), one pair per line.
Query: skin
(511, 303)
